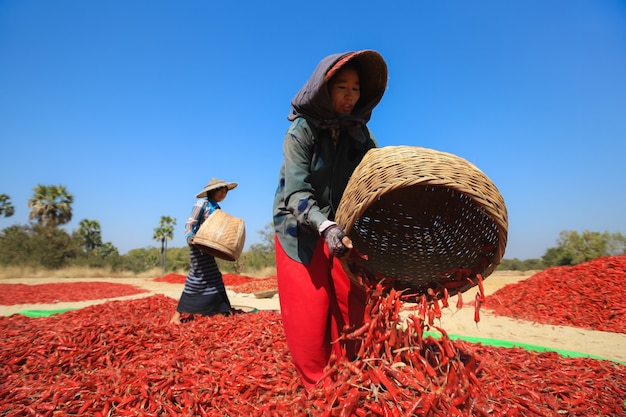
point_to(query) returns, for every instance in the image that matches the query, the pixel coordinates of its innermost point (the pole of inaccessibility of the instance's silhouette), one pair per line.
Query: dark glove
(334, 240)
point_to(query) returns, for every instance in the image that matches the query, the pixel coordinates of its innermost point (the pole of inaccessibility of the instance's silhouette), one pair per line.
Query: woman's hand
(337, 241)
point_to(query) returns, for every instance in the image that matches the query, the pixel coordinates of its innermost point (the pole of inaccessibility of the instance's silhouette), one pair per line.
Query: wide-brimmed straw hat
(372, 70)
(214, 184)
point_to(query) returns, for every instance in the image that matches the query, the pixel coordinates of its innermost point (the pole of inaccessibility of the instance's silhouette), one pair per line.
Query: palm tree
(163, 233)
(106, 250)
(51, 205)
(6, 208)
(90, 233)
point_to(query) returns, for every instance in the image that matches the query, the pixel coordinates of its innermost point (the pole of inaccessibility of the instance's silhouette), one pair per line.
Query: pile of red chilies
(13, 294)
(240, 284)
(589, 295)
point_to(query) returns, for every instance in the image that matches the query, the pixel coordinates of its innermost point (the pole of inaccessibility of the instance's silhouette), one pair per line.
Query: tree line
(572, 248)
(43, 244)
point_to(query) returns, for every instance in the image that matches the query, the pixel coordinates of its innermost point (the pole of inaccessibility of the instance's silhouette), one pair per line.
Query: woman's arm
(193, 222)
(300, 198)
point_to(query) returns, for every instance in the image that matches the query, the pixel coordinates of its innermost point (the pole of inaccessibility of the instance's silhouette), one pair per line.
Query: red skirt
(317, 301)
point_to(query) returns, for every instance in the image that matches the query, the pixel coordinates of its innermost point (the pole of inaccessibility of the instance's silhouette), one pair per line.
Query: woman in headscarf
(327, 139)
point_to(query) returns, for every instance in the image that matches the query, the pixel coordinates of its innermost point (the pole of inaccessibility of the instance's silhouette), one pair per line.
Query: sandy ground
(605, 345)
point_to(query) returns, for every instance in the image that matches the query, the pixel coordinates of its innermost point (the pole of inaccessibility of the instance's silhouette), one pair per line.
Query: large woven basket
(221, 235)
(422, 219)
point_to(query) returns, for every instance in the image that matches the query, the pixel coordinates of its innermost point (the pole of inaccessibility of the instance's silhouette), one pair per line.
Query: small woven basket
(221, 235)
(422, 219)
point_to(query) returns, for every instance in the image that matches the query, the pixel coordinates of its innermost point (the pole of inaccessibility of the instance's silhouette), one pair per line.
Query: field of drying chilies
(120, 358)
(421, 240)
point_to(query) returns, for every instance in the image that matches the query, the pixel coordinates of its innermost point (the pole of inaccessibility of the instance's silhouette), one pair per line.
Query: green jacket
(311, 183)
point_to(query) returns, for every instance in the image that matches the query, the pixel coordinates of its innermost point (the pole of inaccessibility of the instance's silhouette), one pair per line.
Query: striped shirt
(204, 275)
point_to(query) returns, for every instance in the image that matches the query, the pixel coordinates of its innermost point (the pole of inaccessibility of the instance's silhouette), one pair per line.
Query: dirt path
(456, 322)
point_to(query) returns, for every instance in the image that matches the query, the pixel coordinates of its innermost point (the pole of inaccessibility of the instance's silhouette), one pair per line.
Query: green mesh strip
(42, 313)
(526, 346)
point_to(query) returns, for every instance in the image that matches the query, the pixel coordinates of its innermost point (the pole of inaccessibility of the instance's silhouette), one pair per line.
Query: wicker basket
(221, 235)
(421, 218)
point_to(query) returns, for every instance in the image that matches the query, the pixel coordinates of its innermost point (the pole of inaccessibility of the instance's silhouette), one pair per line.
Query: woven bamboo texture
(222, 236)
(422, 219)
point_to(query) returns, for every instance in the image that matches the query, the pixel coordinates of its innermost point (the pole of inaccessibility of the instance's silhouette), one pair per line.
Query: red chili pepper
(393, 335)
(429, 399)
(437, 309)
(481, 289)
(354, 368)
(360, 331)
(351, 401)
(367, 343)
(449, 348)
(360, 412)
(423, 306)
(385, 407)
(431, 316)
(444, 299)
(420, 378)
(374, 408)
(427, 367)
(412, 408)
(395, 412)
(389, 386)
(399, 375)
(477, 308)
(105, 409)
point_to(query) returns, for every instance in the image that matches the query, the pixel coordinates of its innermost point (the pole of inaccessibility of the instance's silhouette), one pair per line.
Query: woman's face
(220, 194)
(345, 90)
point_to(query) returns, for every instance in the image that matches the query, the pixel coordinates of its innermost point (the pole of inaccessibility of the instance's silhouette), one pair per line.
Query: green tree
(15, 246)
(163, 233)
(36, 246)
(51, 248)
(106, 250)
(262, 254)
(574, 248)
(51, 205)
(616, 244)
(6, 207)
(556, 257)
(516, 264)
(140, 260)
(90, 234)
(178, 259)
(103, 255)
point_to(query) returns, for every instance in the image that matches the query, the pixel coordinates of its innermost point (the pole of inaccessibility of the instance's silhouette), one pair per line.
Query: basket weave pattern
(423, 218)
(221, 235)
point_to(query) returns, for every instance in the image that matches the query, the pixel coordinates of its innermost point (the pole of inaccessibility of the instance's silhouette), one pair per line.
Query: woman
(327, 139)
(204, 291)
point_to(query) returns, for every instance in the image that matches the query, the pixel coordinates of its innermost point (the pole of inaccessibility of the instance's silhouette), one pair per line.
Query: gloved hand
(190, 240)
(334, 240)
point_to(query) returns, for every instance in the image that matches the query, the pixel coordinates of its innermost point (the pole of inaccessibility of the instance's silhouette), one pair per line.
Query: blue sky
(134, 105)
